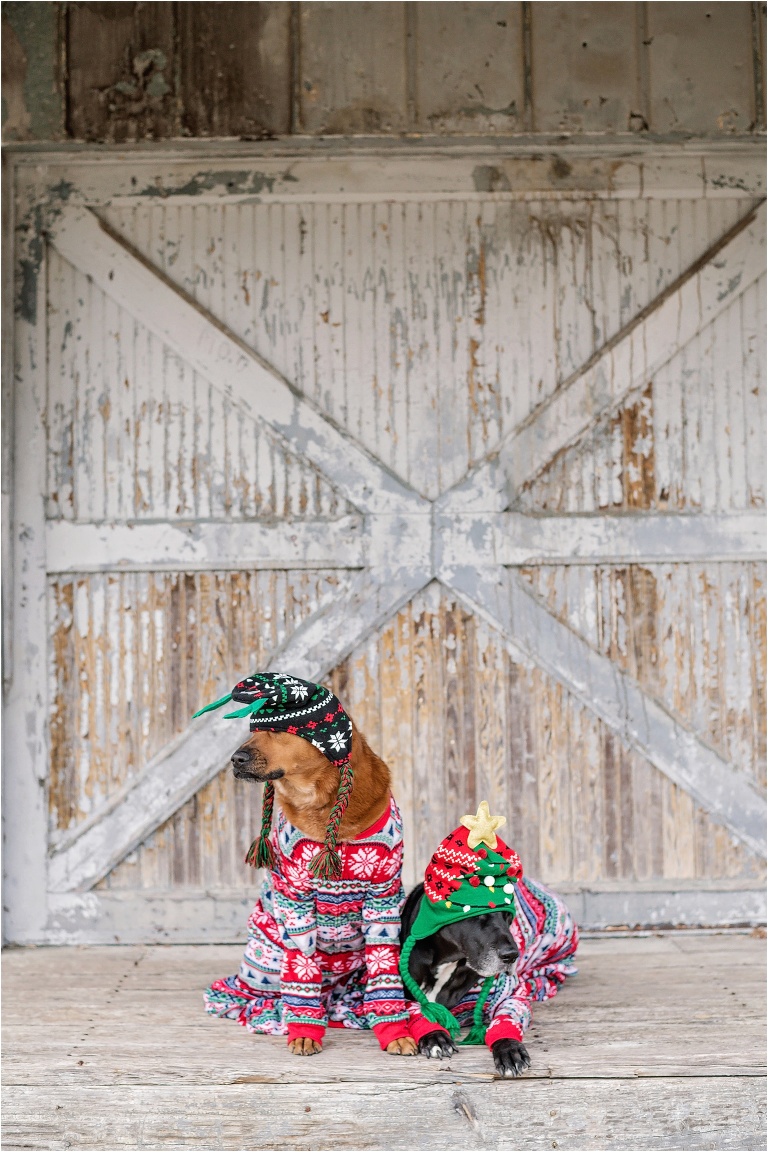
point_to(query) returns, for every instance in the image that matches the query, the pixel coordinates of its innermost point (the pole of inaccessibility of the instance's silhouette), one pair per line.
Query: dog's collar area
(444, 973)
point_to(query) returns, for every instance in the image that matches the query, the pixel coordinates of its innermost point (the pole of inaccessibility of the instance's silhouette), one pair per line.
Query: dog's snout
(508, 953)
(241, 758)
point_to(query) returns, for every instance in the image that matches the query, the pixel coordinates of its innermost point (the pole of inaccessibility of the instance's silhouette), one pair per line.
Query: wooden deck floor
(659, 1043)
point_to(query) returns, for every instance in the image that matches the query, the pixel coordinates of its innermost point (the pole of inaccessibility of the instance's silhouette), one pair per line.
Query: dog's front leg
(405, 1046)
(436, 1045)
(304, 1046)
(510, 1057)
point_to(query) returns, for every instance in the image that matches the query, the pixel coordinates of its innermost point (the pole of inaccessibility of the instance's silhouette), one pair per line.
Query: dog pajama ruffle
(323, 952)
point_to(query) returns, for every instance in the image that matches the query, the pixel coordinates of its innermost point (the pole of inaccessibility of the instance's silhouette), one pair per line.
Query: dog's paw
(436, 1045)
(402, 1047)
(510, 1057)
(304, 1046)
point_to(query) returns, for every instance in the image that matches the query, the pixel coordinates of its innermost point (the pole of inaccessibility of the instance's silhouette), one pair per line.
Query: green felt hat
(473, 872)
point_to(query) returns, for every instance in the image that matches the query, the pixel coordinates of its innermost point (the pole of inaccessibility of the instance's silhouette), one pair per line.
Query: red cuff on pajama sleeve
(308, 1031)
(420, 1027)
(503, 1028)
(387, 1032)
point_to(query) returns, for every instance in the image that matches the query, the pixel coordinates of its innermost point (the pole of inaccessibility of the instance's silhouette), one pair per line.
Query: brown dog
(306, 784)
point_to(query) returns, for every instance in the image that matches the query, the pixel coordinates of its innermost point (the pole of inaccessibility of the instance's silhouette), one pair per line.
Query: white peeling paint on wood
(133, 655)
(692, 638)
(186, 764)
(581, 807)
(227, 362)
(216, 915)
(440, 380)
(645, 456)
(180, 546)
(362, 171)
(173, 446)
(26, 704)
(515, 539)
(626, 362)
(619, 701)
(442, 375)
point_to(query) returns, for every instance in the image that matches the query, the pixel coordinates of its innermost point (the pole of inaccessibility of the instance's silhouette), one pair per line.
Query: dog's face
(278, 756)
(484, 941)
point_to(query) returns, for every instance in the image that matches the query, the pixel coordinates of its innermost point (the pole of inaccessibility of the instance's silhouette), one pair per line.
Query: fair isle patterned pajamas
(323, 952)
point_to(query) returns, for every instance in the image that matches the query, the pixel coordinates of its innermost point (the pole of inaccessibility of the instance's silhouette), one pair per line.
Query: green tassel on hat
(437, 1013)
(249, 710)
(476, 1034)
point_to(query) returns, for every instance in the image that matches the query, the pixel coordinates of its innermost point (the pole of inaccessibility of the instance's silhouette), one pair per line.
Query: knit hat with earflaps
(276, 702)
(471, 873)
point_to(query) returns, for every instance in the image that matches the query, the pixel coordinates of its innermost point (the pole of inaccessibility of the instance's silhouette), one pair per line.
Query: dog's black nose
(240, 758)
(508, 953)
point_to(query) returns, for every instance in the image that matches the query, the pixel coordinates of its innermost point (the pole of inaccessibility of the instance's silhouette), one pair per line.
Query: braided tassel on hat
(260, 854)
(437, 1013)
(326, 865)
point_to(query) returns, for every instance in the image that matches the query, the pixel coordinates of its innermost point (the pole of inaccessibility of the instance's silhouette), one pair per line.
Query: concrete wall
(117, 72)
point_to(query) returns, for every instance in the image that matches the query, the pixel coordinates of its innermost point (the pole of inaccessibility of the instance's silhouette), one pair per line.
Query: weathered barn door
(481, 441)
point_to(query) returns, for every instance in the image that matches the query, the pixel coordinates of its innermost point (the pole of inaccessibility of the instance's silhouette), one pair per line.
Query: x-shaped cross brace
(468, 539)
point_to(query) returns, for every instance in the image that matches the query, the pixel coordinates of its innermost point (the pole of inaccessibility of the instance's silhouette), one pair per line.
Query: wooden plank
(200, 172)
(626, 362)
(178, 546)
(687, 46)
(230, 365)
(234, 64)
(362, 88)
(121, 66)
(516, 539)
(469, 68)
(617, 699)
(594, 1114)
(590, 88)
(25, 705)
(145, 1049)
(195, 915)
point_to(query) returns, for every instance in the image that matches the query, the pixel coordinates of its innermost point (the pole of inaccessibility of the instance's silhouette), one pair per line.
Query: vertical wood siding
(694, 441)
(693, 635)
(134, 433)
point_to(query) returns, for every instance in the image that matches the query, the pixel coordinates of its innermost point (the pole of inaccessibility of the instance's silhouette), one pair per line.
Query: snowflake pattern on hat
(278, 702)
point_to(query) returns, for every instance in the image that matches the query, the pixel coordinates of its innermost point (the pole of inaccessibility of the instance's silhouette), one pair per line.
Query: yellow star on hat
(482, 827)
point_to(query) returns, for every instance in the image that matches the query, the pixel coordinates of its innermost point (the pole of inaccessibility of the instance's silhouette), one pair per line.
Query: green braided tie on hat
(476, 1034)
(212, 707)
(249, 710)
(437, 1013)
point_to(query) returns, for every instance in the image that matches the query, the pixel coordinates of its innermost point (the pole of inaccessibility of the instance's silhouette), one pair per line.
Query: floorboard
(658, 1043)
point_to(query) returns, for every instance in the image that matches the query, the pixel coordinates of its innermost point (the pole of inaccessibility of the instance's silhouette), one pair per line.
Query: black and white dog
(454, 959)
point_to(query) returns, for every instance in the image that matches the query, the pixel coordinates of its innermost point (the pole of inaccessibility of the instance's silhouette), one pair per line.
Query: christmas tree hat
(471, 873)
(275, 702)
